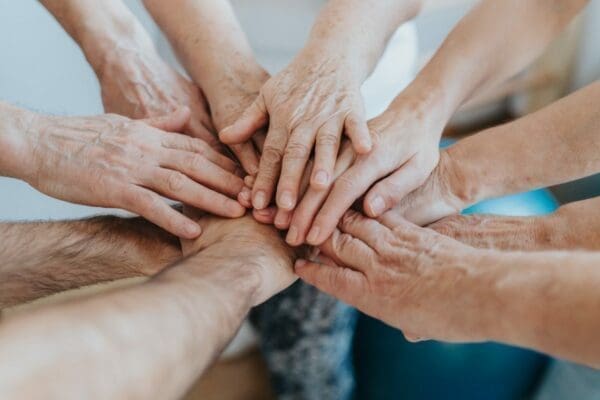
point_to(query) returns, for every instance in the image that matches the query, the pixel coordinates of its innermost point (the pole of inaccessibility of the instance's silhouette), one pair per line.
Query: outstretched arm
(556, 144)
(433, 287)
(493, 42)
(152, 340)
(134, 80)
(41, 258)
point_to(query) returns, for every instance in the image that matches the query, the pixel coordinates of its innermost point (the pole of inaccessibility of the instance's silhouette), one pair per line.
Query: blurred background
(43, 69)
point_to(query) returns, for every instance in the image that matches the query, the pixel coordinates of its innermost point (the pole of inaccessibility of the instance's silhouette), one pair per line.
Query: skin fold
(112, 161)
(433, 287)
(191, 309)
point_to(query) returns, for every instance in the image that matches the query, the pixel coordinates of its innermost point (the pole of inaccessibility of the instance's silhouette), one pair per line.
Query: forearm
(556, 144)
(357, 31)
(15, 122)
(544, 301)
(209, 42)
(41, 258)
(493, 42)
(100, 28)
(149, 341)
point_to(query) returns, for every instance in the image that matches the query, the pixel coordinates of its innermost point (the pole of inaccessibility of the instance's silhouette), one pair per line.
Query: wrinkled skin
(309, 104)
(139, 84)
(271, 259)
(405, 151)
(573, 226)
(411, 278)
(112, 161)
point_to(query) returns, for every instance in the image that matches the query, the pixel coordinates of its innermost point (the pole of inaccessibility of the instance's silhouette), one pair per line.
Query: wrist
(17, 125)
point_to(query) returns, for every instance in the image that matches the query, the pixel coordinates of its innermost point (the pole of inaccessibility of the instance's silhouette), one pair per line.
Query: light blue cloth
(564, 380)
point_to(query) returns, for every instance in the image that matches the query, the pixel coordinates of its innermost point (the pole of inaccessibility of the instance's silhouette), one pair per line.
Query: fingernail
(313, 235)
(246, 194)
(321, 178)
(260, 200)
(377, 205)
(264, 212)
(193, 229)
(286, 200)
(300, 263)
(292, 235)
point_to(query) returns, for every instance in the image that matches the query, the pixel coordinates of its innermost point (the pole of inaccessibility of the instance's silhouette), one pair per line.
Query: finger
(390, 191)
(265, 216)
(357, 130)
(269, 168)
(203, 171)
(150, 206)
(367, 230)
(177, 186)
(195, 128)
(177, 141)
(346, 189)
(175, 121)
(247, 156)
(313, 199)
(342, 283)
(347, 250)
(326, 151)
(282, 219)
(245, 197)
(252, 119)
(296, 154)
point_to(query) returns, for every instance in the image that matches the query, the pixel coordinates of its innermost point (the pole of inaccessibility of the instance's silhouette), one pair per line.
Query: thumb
(253, 118)
(175, 121)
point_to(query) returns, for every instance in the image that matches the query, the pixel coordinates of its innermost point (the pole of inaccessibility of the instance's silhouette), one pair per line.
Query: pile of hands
(297, 149)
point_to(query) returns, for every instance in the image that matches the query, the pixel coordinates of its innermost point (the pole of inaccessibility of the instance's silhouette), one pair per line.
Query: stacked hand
(112, 161)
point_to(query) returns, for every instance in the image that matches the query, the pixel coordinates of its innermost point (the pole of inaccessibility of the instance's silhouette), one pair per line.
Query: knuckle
(327, 139)
(272, 155)
(297, 151)
(175, 181)
(194, 163)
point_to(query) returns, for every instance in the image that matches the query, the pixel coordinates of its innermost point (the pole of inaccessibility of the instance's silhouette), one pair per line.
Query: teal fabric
(389, 367)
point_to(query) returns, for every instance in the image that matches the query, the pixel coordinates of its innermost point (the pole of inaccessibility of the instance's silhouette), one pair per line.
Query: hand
(412, 278)
(446, 191)
(249, 246)
(139, 84)
(573, 226)
(111, 161)
(309, 103)
(236, 94)
(405, 151)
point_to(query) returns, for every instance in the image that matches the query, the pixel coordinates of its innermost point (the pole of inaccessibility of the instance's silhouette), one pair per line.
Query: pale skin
(433, 287)
(492, 43)
(112, 161)
(554, 145)
(317, 98)
(192, 310)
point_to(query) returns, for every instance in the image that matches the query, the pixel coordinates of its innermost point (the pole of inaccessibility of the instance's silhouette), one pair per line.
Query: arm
(134, 80)
(152, 340)
(317, 97)
(554, 145)
(433, 287)
(112, 161)
(493, 42)
(214, 50)
(38, 259)
(573, 226)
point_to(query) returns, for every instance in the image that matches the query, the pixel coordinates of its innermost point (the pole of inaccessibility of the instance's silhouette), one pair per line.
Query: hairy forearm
(209, 42)
(41, 258)
(100, 28)
(493, 42)
(546, 301)
(148, 341)
(357, 31)
(556, 144)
